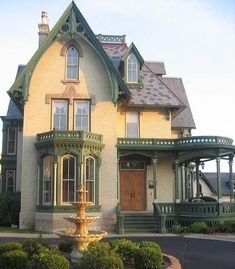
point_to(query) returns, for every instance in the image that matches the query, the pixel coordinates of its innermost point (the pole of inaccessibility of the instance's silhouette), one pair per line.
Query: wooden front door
(132, 190)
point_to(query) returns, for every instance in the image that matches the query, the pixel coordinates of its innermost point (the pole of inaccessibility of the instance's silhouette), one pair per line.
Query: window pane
(132, 124)
(132, 69)
(72, 63)
(10, 180)
(90, 179)
(65, 168)
(11, 146)
(60, 108)
(68, 180)
(82, 109)
(47, 180)
(71, 168)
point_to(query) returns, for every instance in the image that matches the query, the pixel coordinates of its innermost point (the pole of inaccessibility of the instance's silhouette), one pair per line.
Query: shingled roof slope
(212, 179)
(114, 50)
(154, 92)
(158, 68)
(185, 118)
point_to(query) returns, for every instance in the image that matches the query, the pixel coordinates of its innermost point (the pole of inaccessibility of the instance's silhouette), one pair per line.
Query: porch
(165, 215)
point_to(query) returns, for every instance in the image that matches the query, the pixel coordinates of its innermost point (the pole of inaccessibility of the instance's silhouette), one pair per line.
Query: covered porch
(188, 155)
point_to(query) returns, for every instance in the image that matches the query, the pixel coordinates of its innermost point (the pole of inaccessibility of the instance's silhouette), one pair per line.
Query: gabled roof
(154, 92)
(158, 68)
(184, 119)
(132, 49)
(71, 23)
(211, 180)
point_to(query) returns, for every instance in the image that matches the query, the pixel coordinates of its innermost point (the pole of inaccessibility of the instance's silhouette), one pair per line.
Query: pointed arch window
(68, 179)
(132, 69)
(47, 181)
(72, 63)
(90, 179)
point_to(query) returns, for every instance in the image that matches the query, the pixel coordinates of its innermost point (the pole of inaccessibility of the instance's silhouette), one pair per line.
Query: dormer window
(132, 69)
(72, 63)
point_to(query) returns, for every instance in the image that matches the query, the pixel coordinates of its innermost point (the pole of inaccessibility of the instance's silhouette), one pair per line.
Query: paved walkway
(221, 237)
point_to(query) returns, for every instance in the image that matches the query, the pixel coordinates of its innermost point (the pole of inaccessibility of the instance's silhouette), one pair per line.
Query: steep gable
(71, 24)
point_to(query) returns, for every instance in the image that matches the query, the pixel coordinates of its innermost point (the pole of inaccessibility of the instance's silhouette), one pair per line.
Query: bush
(46, 260)
(66, 246)
(9, 209)
(10, 246)
(149, 256)
(100, 255)
(14, 259)
(126, 249)
(199, 227)
(179, 229)
(33, 246)
(227, 228)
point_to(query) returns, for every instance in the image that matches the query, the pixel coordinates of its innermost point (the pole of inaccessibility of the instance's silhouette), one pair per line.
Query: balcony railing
(174, 144)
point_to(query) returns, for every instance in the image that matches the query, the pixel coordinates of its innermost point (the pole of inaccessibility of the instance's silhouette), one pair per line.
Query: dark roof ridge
(183, 105)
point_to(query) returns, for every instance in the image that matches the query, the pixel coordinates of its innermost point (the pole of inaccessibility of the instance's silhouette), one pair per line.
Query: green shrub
(199, 227)
(50, 261)
(179, 229)
(126, 249)
(4, 247)
(100, 255)
(221, 227)
(33, 246)
(14, 259)
(9, 209)
(149, 256)
(66, 246)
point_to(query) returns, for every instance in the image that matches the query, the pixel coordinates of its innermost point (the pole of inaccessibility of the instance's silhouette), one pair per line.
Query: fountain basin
(77, 220)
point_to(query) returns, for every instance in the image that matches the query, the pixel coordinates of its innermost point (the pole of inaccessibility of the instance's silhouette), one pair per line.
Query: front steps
(139, 222)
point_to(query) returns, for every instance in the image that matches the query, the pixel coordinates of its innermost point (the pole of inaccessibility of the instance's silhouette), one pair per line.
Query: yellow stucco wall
(152, 124)
(47, 79)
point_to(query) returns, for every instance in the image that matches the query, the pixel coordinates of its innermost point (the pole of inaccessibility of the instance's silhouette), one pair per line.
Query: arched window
(132, 69)
(72, 63)
(68, 179)
(90, 179)
(47, 180)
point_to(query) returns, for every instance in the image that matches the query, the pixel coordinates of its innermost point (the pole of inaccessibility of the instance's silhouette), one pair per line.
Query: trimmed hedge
(5, 247)
(33, 246)
(14, 259)
(50, 261)
(9, 209)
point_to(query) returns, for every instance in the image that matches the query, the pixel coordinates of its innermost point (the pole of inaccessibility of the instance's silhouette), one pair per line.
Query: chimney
(43, 28)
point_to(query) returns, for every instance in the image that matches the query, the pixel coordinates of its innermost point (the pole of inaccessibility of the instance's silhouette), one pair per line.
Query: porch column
(55, 184)
(231, 178)
(197, 179)
(177, 197)
(218, 180)
(186, 194)
(155, 178)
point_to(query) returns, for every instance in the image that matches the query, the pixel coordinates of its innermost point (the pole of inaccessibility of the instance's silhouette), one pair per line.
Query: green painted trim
(65, 209)
(19, 90)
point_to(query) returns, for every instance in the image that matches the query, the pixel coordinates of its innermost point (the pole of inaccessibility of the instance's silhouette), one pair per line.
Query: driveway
(193, 251)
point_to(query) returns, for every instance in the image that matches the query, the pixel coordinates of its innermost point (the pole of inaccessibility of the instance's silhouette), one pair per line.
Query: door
(132, 190)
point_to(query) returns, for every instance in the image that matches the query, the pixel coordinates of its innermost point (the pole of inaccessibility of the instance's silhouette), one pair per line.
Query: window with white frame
(11, 141)
(10, 180)
(90, 179)
(72, 63)
(47, 180)
(132, 124)
(68, 179)
(82, 115)
(60, 114)
(132, 69)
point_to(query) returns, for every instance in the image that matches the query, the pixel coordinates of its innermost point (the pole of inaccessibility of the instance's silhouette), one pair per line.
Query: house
(88, 109)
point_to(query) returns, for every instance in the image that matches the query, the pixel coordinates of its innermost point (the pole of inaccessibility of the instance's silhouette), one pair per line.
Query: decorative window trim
(70, 93)
(138, 124)
(69, 44)
(72, 64)
(136, 70)
(50, 180)
(74, 179)
(8, 140)
(52, 113)
(88, 116)
(11, 173)
(91, 180)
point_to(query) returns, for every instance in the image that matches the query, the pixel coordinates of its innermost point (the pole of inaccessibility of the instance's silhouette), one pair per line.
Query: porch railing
(187, 213)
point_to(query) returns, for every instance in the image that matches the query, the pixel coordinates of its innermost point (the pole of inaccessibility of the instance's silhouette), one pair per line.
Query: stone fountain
(80, 236)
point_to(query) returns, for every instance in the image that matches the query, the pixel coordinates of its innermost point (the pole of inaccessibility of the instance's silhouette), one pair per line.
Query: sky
(194, 38)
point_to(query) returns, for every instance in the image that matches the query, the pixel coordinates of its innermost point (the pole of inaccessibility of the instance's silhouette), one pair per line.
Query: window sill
(68, 81)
